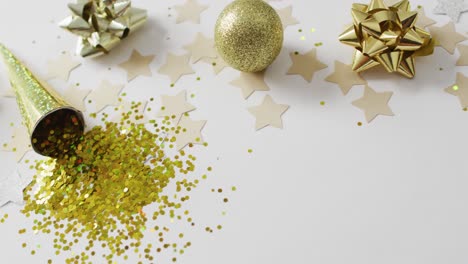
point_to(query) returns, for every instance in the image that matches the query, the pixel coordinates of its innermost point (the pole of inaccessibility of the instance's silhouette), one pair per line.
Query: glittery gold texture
(51, 122)
(249, 35)
(101, 192)
(102, 24)
(386, 36)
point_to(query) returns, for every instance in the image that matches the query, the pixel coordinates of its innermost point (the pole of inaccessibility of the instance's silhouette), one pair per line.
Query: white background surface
(323, 190)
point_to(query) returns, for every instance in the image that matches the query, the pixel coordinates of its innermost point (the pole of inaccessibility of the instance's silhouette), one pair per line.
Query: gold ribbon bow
(387, 36)
(102, 24)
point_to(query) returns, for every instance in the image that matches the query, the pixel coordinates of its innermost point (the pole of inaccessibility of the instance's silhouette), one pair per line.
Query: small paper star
(447, 37)
(374, 104)
(201, 47)
(286, 17)
(463, 60)
(345, 77)
(11, 189)
(61, 67)
(75, 97)
(9, 94)
(305, 65)
(460, 89)
(137, 65)
(20, 143)
(251, 82)
(175, 106)
(190, 132)
(268, 113)
(176, 66)
(451, 8)
(424, 21)
(218, 64)
(190, 11)
(138, 109)
(106, 94)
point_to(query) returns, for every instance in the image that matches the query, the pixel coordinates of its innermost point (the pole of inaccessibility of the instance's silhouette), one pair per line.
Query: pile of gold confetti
(99, 190)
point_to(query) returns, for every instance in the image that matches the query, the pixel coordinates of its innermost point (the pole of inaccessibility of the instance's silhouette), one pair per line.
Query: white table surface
(322, 190)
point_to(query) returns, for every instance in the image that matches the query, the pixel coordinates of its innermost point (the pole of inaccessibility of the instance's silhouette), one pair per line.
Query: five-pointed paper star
(463, 60)
(451, 8)
(11, 189)
(175, 106)
(218, 64)
(190, 132)
(106, 94)
(137, 65)
(61, 67)
(138, 108)
(345, 77)
(201, 47)
(268, 113)
(190, 11)
(176, 66)
(251, 82)
(305, 65)
(423, 20)
(286, 17)
(460, 89)
(374, 103)
(75, 97)
(447, 37)
(20, 143)
(8, 94)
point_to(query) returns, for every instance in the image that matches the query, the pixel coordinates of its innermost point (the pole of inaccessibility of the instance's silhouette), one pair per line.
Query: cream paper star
(137, 65)
(251, 82)
(176, 66)
(218, 64)
(61, 67)
(20, 143)
(190, 11)
(175, 106)
(201, 47)
(374, 103)
(447, 37)
(345, 77)
(423, 21)
(8, 94)
(106, 94)
(75, 97)
(190, 132)
(11, 189)
(460, 89)
(286, 17)
(268, 113)
(305, 65)
(138, 108)
(463, 60)
(451, 8)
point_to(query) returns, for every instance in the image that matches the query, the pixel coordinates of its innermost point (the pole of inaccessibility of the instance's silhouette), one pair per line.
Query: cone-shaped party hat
(53, 125)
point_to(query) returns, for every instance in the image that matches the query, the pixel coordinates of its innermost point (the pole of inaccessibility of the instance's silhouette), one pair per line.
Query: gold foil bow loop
(387, 36)
(102, 24)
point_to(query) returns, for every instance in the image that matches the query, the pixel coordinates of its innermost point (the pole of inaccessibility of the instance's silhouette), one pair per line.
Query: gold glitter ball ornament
(249, 35)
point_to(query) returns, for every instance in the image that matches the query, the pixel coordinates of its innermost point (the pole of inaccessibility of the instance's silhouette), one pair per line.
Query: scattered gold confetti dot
(96, 194)
(359, 123)
(455, 87)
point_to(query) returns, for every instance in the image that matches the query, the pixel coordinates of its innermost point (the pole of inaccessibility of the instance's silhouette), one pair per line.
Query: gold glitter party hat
(53, 125)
